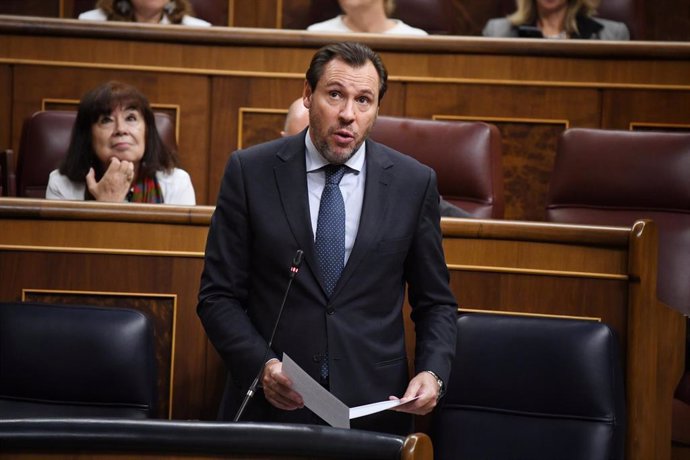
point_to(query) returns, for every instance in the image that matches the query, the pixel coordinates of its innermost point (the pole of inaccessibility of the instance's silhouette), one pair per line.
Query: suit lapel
(291, 179)
(374, 206)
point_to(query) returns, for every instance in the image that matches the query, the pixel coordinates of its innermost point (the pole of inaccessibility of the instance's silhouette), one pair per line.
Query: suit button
(330, 310)
(317, 358)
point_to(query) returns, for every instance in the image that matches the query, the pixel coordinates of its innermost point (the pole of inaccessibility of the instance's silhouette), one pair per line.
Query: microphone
(294, 268)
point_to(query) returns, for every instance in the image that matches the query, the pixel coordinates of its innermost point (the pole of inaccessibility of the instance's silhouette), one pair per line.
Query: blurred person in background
(146, 11)
(559, 19)
(371, 16)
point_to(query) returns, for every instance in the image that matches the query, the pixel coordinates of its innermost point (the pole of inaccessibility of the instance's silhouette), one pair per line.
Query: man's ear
(306, 95)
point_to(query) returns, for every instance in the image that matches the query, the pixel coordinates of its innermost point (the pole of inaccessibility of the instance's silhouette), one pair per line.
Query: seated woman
(556, 19)
(151, 11)
(116, 154)
(366, 16)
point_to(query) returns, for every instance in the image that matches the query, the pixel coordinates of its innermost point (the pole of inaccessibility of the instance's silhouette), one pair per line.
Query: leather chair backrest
(213, 11)
(532, 387)
(628, 12)
(605, 177)
(434, 16)
(44, 142)
(465, 155)
(75, 361)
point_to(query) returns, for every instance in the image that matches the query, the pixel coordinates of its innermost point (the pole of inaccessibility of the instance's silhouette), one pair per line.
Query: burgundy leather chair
(43, 145)
(213, 11)
(465, 155)
(604, 177)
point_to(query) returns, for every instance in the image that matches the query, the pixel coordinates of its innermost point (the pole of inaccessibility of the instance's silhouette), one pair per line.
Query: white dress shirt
(351, 187)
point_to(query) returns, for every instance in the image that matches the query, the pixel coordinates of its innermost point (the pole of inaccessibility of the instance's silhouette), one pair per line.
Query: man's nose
(347, 111)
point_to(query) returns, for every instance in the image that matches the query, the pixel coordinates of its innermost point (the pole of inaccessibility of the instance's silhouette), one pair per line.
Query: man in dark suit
(345, 330)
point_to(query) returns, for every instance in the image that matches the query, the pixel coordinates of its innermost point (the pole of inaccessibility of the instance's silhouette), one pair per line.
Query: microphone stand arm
(252, 388)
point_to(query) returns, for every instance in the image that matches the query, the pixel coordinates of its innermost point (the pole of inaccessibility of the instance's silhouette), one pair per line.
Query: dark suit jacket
(262, 219)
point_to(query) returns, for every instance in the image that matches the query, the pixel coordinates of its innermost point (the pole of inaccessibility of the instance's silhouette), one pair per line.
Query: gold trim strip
(73, 291)
(553, 121)
(644, 124)
(111, 251)
(538, 272)
(534, 315)
(279, 14)
(231, 13)
(537, 83)
(57, 100)
(129, 294)
(159, 69)
(399, 78)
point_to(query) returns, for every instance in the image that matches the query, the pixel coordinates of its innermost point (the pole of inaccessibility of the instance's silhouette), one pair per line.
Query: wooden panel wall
(212, 78)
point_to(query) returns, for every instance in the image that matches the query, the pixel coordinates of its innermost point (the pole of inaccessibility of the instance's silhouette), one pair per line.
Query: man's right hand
(278, 387)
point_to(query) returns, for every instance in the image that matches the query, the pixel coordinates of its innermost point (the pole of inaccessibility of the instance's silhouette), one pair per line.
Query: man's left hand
(423, 386)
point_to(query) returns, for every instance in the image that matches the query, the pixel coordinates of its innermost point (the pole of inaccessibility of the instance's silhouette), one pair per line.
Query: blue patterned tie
(330, 237)
(330, 228)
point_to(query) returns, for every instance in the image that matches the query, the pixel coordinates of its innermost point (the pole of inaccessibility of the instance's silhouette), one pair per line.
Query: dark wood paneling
(667, 20)
(230, 96)
(257, 13)
(6, 106)
(49, 8)
(624, 108)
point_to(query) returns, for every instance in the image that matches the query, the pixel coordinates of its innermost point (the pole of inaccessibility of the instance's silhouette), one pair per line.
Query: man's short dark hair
(351, 53)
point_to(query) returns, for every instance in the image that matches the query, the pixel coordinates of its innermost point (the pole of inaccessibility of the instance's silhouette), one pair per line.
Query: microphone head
(297, 261)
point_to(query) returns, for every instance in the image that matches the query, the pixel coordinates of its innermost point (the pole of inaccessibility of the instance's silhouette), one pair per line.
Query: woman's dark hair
(122, 10)
(102, 101)
(353, 54)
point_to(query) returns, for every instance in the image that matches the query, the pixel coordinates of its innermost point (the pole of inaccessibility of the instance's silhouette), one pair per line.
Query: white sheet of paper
(367, 409)
(324, 404)
(316, 398)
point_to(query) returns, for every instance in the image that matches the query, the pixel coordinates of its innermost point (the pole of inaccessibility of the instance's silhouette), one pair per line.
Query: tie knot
(334, 173)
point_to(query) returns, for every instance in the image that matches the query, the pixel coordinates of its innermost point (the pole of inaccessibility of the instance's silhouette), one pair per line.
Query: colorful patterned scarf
(146, 190)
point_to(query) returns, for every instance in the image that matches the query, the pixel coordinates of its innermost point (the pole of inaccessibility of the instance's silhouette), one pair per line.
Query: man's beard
(338, 158)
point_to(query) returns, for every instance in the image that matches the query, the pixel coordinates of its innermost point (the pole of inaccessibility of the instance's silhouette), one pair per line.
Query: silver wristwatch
(441, 386)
